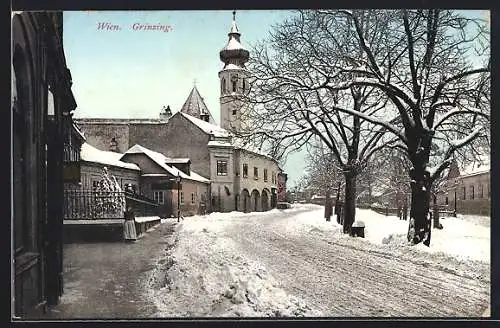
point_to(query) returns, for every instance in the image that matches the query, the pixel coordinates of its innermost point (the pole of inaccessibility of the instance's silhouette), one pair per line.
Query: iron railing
(89, 205)
(142, 205)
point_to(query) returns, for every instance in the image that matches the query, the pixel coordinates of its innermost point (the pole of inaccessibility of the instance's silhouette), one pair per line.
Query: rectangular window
(193, 198)
(481, 191)
(245, 170)
(463, 189)
(446, 200)
(471, 189)
(255, 173)
(221, 167)
(265, 175)
(159, 196)
(182, 198)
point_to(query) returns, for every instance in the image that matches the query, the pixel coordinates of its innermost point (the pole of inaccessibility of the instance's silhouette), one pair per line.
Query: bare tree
(419, 60)
(323, 171)
(288, 105)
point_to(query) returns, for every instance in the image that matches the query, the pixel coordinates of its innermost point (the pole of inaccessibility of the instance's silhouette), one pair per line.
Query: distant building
(471, 187)
(169, 181)
(92, 163)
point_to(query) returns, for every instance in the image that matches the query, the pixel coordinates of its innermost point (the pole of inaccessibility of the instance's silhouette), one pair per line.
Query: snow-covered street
(294, 263)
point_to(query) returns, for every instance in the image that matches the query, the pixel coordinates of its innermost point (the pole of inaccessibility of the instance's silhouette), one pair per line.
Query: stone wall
(184, 139)
(152, 136)
(100, 135)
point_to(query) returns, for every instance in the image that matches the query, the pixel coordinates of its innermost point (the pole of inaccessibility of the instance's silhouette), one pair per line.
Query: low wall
(107, 230)
(142, 224)
(75, 231)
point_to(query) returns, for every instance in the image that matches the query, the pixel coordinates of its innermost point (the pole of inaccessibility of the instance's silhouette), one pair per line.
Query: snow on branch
(456, 144)
(458, 111)
(373, 120)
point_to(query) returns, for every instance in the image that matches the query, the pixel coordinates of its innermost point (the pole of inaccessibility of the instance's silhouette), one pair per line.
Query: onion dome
(234, 53)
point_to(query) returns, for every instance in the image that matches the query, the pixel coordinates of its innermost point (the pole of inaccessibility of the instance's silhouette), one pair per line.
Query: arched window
(234, 80)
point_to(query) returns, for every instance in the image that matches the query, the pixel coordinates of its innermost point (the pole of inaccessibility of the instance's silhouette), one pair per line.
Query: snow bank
(465, 237)
(204, 275)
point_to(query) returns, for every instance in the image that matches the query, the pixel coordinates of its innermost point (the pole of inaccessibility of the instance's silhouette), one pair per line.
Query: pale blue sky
(132, 74)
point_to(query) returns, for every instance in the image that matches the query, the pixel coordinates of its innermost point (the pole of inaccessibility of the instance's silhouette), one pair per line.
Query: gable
(146, 164)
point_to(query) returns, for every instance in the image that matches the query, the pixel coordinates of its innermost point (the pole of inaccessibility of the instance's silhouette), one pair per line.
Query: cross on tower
(194, 82)
(234, 15)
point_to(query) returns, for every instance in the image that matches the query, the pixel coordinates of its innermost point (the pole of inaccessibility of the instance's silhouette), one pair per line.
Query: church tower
(233, 80)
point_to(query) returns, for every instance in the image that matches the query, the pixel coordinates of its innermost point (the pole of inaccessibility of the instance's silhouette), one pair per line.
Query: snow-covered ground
(294, 263)
(464, 237)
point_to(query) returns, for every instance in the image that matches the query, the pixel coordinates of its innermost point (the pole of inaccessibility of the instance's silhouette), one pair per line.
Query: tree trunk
(337, 205)
(349, 202)
(419, 229)
(328, 205)
(435, 213)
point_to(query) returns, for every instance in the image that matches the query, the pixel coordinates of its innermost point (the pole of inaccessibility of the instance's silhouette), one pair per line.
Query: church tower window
(223, 85)
(234, 80)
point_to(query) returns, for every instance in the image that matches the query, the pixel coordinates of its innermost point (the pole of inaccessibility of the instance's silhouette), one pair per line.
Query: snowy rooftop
(477, 167)
(233, 44)
(216, 143)
(195, 105)
(92, 154)
(123, 121)
(162, 160)
(207, 127)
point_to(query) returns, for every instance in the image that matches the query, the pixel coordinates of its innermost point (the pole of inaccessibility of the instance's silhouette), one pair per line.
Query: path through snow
(293, 263)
